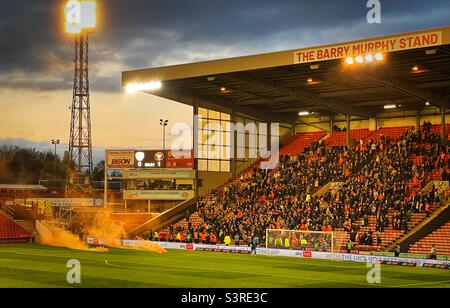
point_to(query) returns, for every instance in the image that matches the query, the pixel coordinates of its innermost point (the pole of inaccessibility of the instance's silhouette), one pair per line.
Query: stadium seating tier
(9, 230)
(302, 145)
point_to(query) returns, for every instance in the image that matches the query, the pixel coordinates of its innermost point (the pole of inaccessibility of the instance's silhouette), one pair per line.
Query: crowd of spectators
(375, 177)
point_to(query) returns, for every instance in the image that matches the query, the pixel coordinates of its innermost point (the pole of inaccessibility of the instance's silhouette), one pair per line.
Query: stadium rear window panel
(214, 141)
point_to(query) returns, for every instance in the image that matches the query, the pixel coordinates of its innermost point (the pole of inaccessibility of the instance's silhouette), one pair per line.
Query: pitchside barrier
(285, 253)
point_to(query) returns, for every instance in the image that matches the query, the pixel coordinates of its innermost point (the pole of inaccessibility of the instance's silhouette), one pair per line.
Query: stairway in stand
(440, 237)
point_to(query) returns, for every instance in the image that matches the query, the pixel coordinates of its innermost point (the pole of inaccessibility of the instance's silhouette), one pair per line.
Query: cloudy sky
(36, 68)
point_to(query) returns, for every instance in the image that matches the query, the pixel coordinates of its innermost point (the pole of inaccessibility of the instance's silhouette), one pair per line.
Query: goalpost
(298, 240)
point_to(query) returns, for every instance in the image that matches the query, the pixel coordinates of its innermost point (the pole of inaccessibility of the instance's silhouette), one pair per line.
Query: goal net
(300, 240)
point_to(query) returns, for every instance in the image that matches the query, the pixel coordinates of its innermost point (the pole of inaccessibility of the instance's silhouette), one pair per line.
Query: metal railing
(7, 211)
(165, 218)
(335, 186)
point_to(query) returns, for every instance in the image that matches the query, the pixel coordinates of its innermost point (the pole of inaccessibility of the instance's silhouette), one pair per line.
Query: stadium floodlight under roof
(305, 113)
(392, 106)
(344, 79)
(132, 88)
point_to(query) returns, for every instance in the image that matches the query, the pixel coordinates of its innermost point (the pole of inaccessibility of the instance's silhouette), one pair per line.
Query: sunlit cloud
(36, 56)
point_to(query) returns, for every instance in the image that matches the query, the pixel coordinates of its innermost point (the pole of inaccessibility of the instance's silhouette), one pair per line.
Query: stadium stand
(383, 174)
(440, 237)
(339, 138)
(394, 133)
(435, 129)
(296, 145)
(10, 232)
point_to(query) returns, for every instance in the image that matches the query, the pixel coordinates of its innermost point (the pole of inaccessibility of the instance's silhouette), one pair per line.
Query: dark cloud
(98, 153)
(141, 33)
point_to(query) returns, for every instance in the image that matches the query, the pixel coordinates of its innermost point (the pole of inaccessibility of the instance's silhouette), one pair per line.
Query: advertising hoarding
(158, 194)
(288, 253)
(71, 202)
(180, 159)
(159, 174)
(120, 159)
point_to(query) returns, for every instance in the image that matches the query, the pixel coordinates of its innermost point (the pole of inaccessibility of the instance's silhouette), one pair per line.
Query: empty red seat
(297, 144)
(440, 237)
(10, 231)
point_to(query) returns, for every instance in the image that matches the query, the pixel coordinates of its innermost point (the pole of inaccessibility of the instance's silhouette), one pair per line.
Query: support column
(105, 181)
(373, 124)
(331, 124)
(233, 150)
(418, 120)
(149, 206)
(195, 145)
(443, 132)
(347, 120)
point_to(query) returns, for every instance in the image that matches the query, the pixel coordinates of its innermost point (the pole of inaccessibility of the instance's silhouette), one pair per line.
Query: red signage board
(180, 159)
(307, 254)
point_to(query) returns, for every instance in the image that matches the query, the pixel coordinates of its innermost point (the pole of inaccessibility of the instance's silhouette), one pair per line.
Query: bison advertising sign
(120, 159)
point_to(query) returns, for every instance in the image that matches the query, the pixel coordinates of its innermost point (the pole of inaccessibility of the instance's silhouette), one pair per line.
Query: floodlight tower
(81, 20)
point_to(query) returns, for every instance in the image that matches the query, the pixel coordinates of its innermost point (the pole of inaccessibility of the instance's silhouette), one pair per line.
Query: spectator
(227, 240)
(397, 251)
(349, 246)
(379, 240)
(433, 252)
(236, 239)
(376, 180)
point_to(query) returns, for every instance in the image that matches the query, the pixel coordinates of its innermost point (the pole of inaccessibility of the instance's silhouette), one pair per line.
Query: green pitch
(42, 266)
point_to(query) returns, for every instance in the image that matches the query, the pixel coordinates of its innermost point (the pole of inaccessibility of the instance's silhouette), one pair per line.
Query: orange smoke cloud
(59, 237)
(102, 227)
(146, 246)
(109, 231)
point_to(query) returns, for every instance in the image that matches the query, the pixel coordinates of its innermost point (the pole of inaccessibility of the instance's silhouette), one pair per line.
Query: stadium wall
(142, 206)
(212, 180)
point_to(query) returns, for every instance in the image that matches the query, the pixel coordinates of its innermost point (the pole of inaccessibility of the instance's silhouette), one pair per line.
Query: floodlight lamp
(80, 15)
(390, 106)
(369, 58)
(349, 60)
(379, 56)
(133, 87)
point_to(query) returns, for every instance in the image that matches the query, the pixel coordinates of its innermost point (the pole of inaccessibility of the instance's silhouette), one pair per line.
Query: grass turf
(43, 266)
